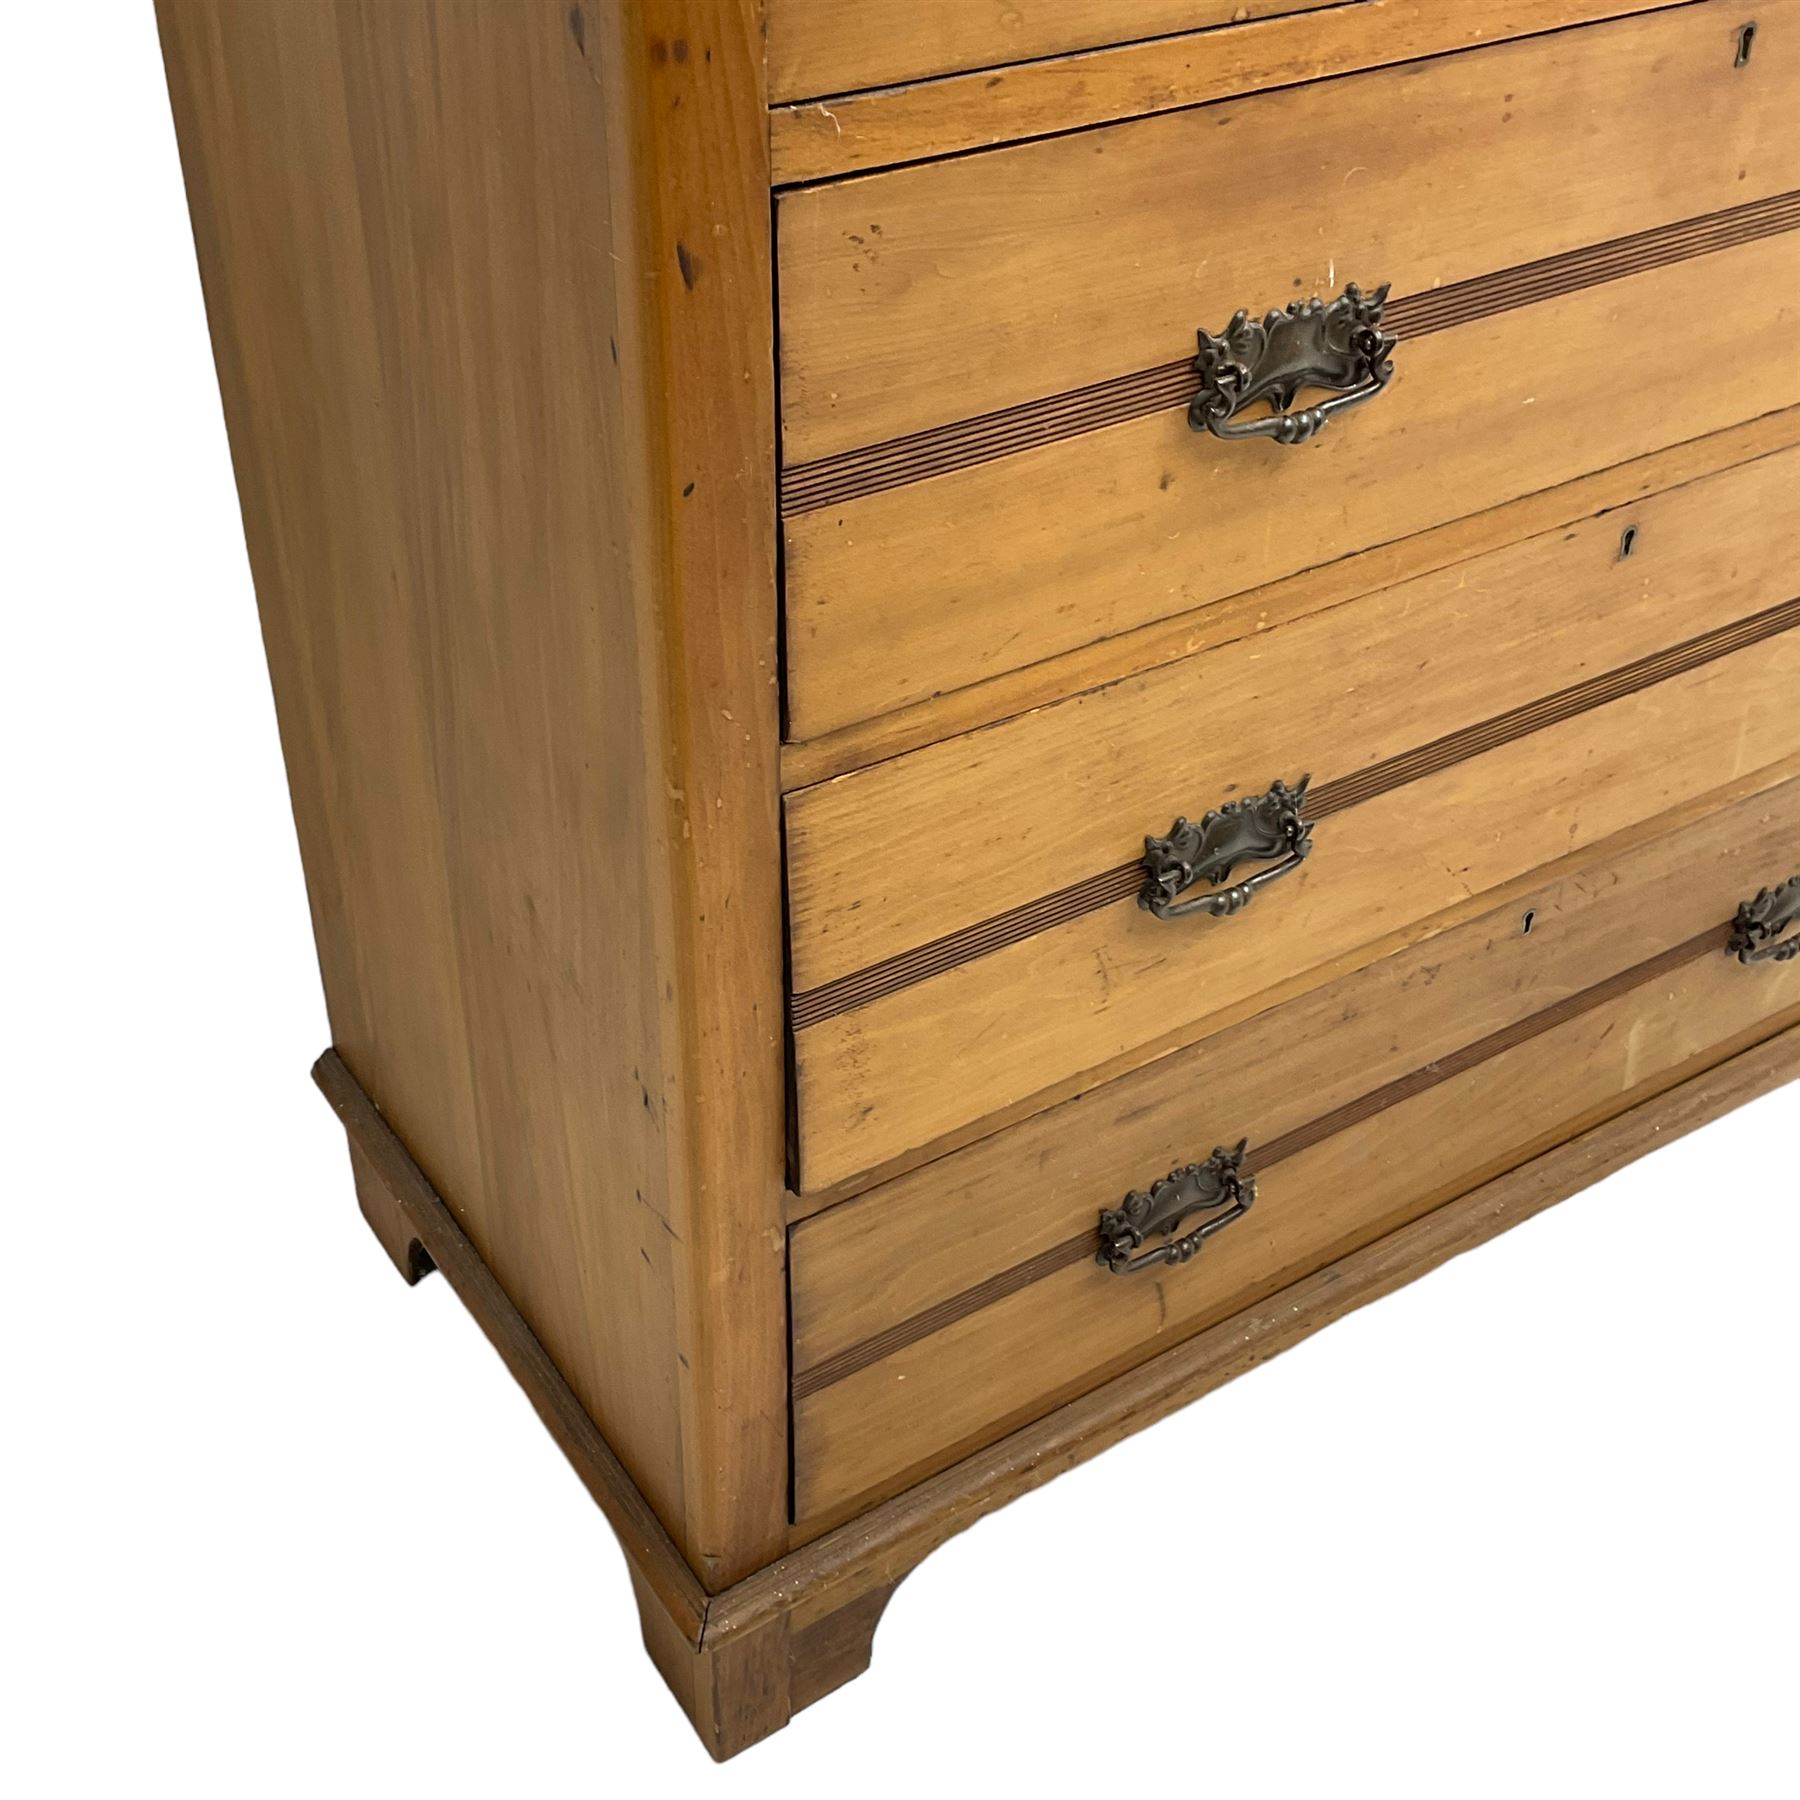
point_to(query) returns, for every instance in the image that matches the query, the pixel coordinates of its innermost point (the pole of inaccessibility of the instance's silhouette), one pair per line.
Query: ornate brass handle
(1338, 345)
(1269, 825)
(1215, 1187)
(1756, 932)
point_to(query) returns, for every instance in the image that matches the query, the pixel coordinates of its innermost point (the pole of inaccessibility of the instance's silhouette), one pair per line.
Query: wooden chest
(992, 705)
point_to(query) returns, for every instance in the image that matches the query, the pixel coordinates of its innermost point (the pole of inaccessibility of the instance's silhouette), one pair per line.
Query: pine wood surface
(837, 1563)
(933, 1242)
(404, 1209)
(493, 292)
(931, 1402)
(746, 1636)
(1262, 609)
(760, 1676)
(1125, 881)
(941, 584)
(1073, 788)
(947, 290)
(830, 46)
(477, 276)
(833, 1564)
(1261, 47)
(1109, 989)
(836, 480)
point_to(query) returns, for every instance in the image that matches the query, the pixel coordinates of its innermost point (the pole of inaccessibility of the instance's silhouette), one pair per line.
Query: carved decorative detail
(1337, 345)
(1215, 1187)
(1757, 931)
(1246, 830)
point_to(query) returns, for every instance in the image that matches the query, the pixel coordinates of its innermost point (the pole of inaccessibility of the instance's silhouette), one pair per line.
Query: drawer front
(963, 921)
(937, 585)
(951, 290)
(936, 1313)
(1105, 82)
(833, 46)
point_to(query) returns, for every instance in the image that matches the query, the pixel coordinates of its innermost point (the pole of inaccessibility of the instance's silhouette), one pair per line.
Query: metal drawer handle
(1756, 932)
(1215, 1187)
(1311, 343)
(1271, 824)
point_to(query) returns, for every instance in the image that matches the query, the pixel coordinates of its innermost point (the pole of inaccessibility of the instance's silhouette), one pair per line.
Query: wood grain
(489, 294)
(916, 120)
(1292, 597)
(896, 1535)
(736, 1690)
(951, 289)
(492, 290)
(830, 46)
(836, 480)
(401, 1185)
(932, 1402)
(922, 1243)
(1125, 881)
(827, 1573)
(904, 595)
(1109, 990)
(1312, 1128)
(745, 1659)
(1335, 695)
(688, 97)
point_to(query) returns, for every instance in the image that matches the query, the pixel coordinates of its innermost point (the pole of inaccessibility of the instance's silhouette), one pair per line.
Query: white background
(271, 1525)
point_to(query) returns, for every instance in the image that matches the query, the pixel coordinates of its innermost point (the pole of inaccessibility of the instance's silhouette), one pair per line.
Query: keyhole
(1628, 542)
(1746, 37)
(1526, 923)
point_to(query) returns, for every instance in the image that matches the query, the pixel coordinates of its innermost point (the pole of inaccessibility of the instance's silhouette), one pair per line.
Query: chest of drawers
(990, 706)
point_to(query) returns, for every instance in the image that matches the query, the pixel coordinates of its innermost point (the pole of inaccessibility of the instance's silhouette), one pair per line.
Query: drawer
(938, 585)
(949, 290)
(935, 1313)
(1107, 70)
(1016, 477)
(963, 930)
(832, 46)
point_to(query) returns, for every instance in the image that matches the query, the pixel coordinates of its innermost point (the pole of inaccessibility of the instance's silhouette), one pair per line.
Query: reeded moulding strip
(855, 474)
(1111, 886)
(1073, 1251)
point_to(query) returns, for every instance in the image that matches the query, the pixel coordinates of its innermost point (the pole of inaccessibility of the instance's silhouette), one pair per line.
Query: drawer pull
(1271, 824)
(1338, 345)
(1215, 1187)
(1756, 932)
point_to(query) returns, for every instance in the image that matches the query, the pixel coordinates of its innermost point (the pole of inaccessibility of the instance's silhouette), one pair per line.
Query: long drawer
(1110, 72)
(935, 1313)
(963, 929)
(938, 293)
(897, 595)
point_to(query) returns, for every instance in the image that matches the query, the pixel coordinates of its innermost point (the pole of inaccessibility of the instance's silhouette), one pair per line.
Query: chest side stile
(488, 288)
